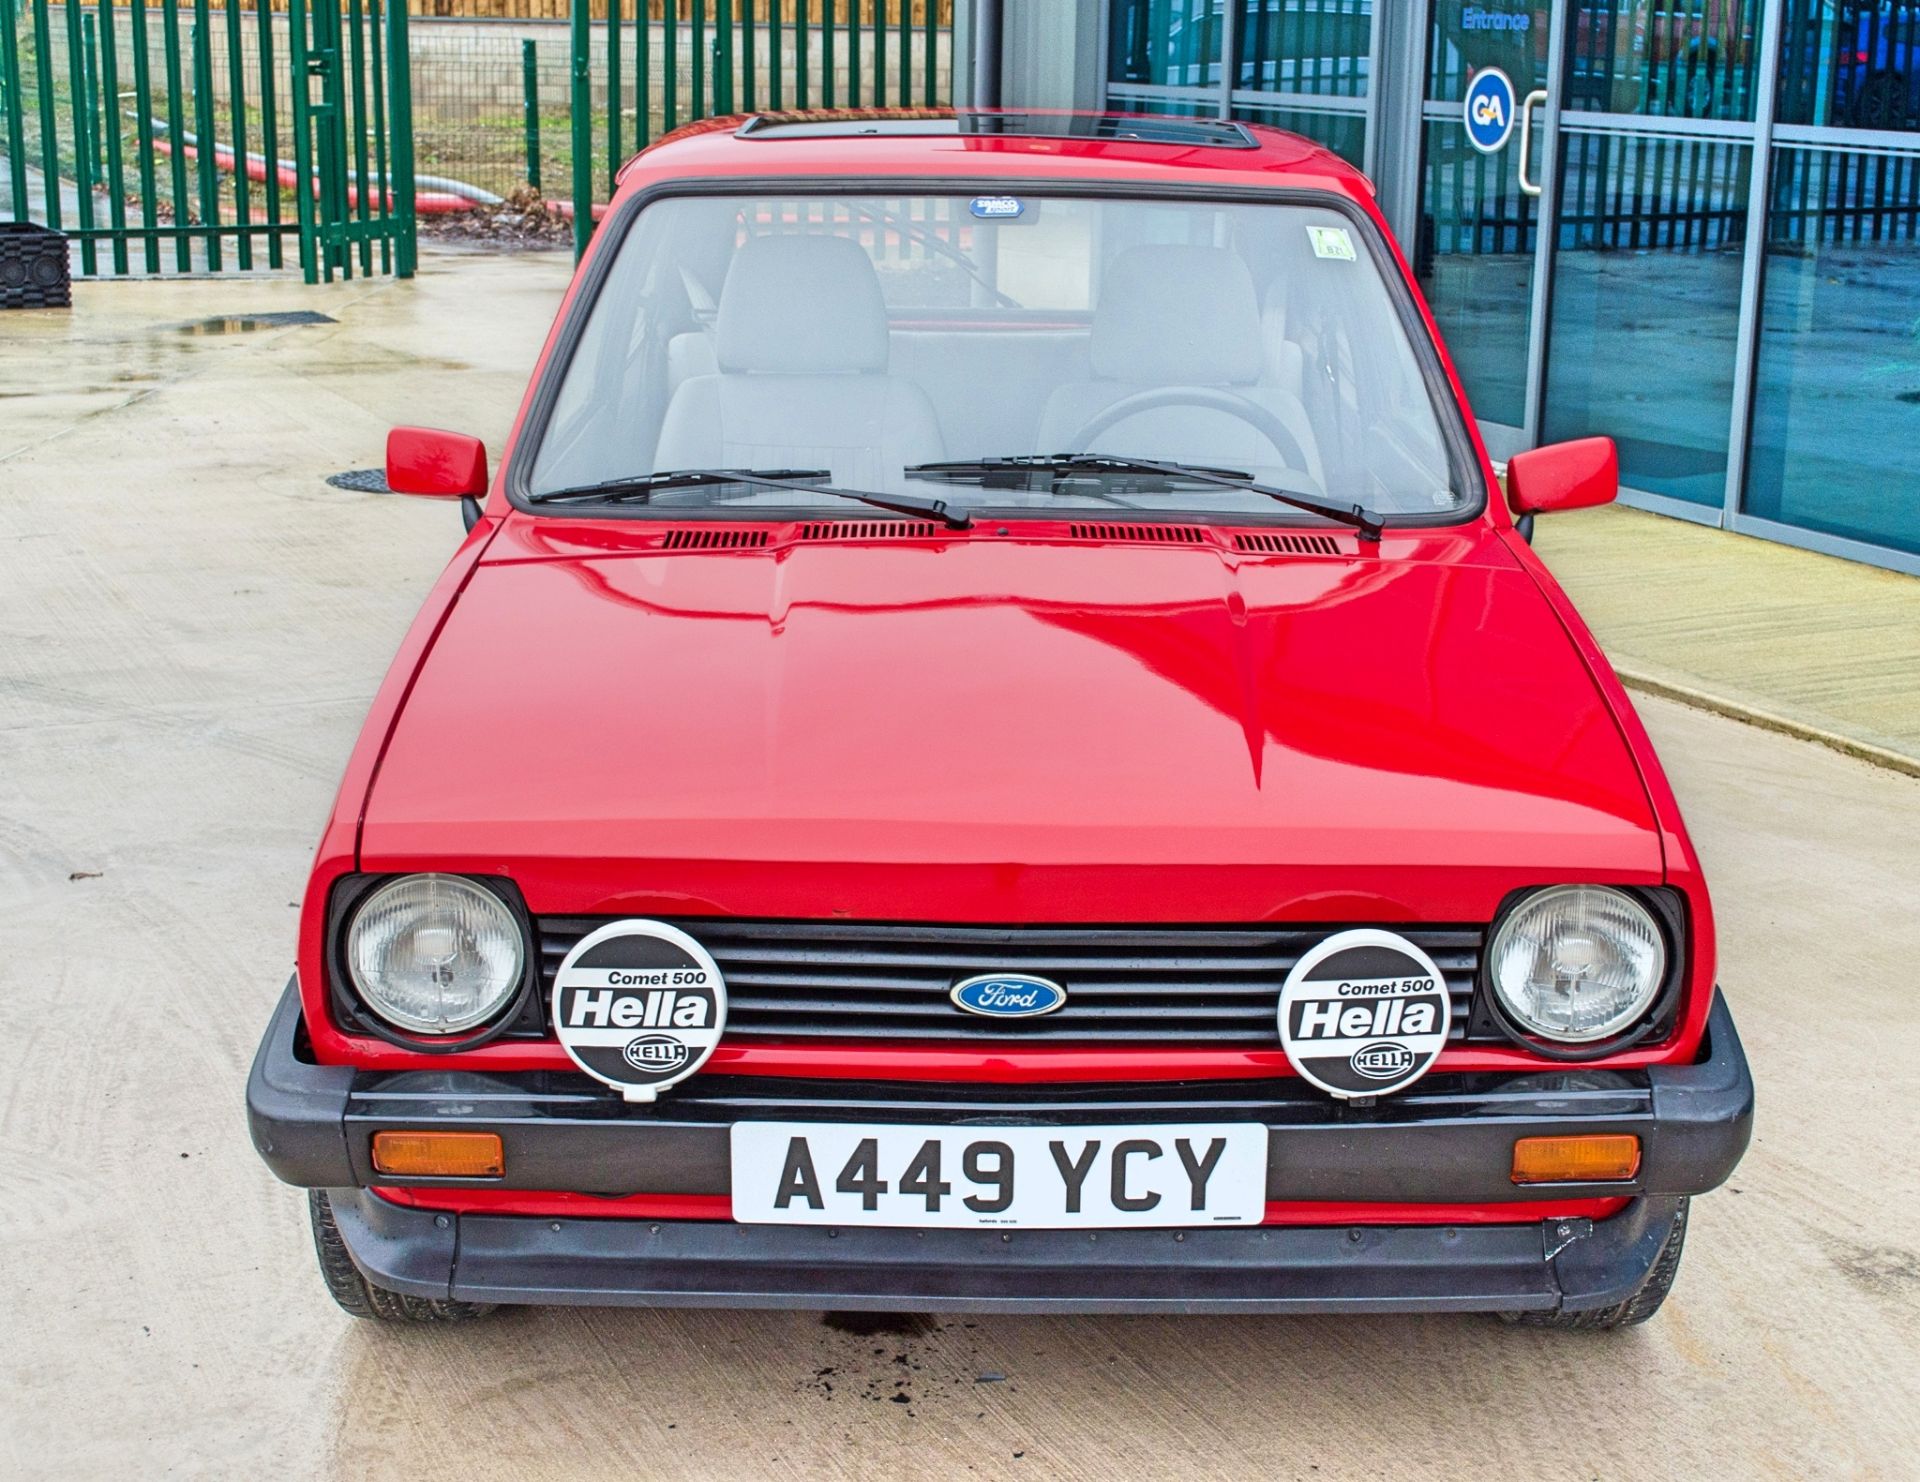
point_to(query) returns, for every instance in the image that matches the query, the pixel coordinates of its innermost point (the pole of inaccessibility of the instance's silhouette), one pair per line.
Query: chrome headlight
(434, 954)
(1577, 963)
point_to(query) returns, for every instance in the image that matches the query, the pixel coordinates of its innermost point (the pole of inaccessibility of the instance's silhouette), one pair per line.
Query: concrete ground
(191, 624)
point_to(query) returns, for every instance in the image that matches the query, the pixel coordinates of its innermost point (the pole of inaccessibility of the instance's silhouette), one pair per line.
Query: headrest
(1177, 316)
(801, 305)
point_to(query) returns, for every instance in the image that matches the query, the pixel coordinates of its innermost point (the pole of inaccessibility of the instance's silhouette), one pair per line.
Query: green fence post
(111, 127)
(926, 60)
(670, 81)
(203, 126)
(400, 184)
(382, 181)
(82, 138)
(143, 135)
(96, 152)
(237, 109)
(775, 60)
(906, 52)
(853, 52)
(582, 119)
(302, 111)
(49, 139)
(723, 56)
(361, 208)
(269, 132)
(828, 82)
(530, 92)
(698, 44)
(750, 59)
(16, 122)
(176, 146)
(614, 90)
(642, 76)
(802, 16)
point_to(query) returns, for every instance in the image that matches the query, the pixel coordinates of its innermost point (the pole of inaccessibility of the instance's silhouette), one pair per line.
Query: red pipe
(427, 203)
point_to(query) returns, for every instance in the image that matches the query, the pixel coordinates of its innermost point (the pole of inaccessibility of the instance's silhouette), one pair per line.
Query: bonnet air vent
(714, 540)
(1288, 545)
(869, 530)
(1152, 534)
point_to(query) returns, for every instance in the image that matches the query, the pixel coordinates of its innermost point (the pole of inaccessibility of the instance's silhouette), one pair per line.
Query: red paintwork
(1174, 733)
(440, 465)
(560, 1205)
(1573, 475)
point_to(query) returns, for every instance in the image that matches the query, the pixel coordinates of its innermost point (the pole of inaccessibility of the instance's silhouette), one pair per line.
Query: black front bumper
(1447, 1140)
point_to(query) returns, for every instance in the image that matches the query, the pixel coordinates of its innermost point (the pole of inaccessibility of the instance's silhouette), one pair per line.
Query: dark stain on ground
(870, 1324)
(898, 1358)
(1879, 1270)
(247, 323)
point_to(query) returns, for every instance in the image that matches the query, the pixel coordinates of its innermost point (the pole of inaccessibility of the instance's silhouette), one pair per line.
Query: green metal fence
(185, 136)
(633, 80)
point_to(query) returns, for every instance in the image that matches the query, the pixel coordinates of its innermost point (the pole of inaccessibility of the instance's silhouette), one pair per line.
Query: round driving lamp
(435, 954)
(1577, 963)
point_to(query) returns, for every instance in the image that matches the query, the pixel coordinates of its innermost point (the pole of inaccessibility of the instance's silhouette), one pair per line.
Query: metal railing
(634, 80)
(184, 136)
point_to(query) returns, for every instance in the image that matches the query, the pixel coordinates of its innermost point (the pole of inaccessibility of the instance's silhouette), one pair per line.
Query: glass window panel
(1344, 133)
(1646, 305)
(1836, 414)
(1304, 46)
(1171, 43)
(1680, 58)
(1496, 33)
(1851, 63)
(1474, 258)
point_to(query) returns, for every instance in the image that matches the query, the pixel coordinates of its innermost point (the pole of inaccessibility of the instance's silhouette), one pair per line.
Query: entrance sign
(1489, 110)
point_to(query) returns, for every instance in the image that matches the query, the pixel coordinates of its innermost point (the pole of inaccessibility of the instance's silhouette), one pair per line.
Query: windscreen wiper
(1358, 516)
(642, 487)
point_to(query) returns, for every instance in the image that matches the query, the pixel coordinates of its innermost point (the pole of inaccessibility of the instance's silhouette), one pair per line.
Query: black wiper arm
(800, 480)
(1358, 516)
(637, 487)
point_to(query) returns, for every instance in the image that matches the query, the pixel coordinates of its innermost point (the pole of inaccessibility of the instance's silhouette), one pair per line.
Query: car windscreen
(855, 338)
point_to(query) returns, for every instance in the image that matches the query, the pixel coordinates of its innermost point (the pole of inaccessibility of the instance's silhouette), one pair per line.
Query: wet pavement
(191, 624)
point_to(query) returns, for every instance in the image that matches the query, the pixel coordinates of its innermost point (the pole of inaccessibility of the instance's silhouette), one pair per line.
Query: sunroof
(1189, 132)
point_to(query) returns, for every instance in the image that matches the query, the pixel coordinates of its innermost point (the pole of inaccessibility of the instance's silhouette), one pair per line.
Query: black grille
(1288, 545)
(1126, 986)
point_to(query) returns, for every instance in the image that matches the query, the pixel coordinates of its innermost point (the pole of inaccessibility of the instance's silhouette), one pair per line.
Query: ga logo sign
(1489, 110)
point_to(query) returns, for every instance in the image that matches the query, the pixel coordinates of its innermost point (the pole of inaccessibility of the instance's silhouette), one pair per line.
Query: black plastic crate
(34, 272)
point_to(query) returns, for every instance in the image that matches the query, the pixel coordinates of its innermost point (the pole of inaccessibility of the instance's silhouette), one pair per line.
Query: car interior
(735, 336)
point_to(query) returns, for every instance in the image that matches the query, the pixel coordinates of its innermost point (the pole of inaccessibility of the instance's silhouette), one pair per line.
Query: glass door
(1486, 134)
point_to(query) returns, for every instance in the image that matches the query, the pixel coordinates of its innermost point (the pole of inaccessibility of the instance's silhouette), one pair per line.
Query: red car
(993, 745)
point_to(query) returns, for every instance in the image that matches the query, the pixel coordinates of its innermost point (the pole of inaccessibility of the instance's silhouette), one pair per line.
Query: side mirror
(439, 465)
(1575, 475)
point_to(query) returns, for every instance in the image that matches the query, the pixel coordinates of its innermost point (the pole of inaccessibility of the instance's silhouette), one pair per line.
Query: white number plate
(822, 1173)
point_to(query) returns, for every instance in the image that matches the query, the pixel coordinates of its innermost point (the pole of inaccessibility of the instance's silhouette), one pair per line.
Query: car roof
(974, 143)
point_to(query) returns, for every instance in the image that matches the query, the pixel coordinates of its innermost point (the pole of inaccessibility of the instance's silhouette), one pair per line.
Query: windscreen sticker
(1364, 1013)
(639, 1005)
(1332, 242)
(997, 208)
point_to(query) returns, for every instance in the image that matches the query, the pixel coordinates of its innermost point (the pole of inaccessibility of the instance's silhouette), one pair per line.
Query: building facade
(1703, 239)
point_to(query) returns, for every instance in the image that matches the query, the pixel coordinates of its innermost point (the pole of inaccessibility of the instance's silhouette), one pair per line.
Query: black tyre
(362, 1298)
(1637, 1308)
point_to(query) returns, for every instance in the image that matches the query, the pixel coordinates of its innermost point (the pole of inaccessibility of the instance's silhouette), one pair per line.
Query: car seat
(800, 340)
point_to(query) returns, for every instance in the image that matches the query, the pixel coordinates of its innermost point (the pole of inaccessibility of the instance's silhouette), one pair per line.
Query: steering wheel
(1212, 398)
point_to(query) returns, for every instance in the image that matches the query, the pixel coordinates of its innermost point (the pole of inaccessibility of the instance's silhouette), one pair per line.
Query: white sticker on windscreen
(1331, 242)
(1364, 1013)
(639, 1005)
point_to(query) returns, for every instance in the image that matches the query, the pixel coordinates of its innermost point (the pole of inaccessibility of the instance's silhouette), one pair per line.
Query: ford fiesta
(995, 744)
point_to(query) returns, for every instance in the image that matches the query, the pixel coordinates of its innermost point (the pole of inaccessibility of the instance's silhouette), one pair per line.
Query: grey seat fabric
(1179, 316)
(801, 344)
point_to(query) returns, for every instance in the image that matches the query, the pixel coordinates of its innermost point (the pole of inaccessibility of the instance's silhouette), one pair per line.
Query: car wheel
(1637, 1308)
(362, 1298)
